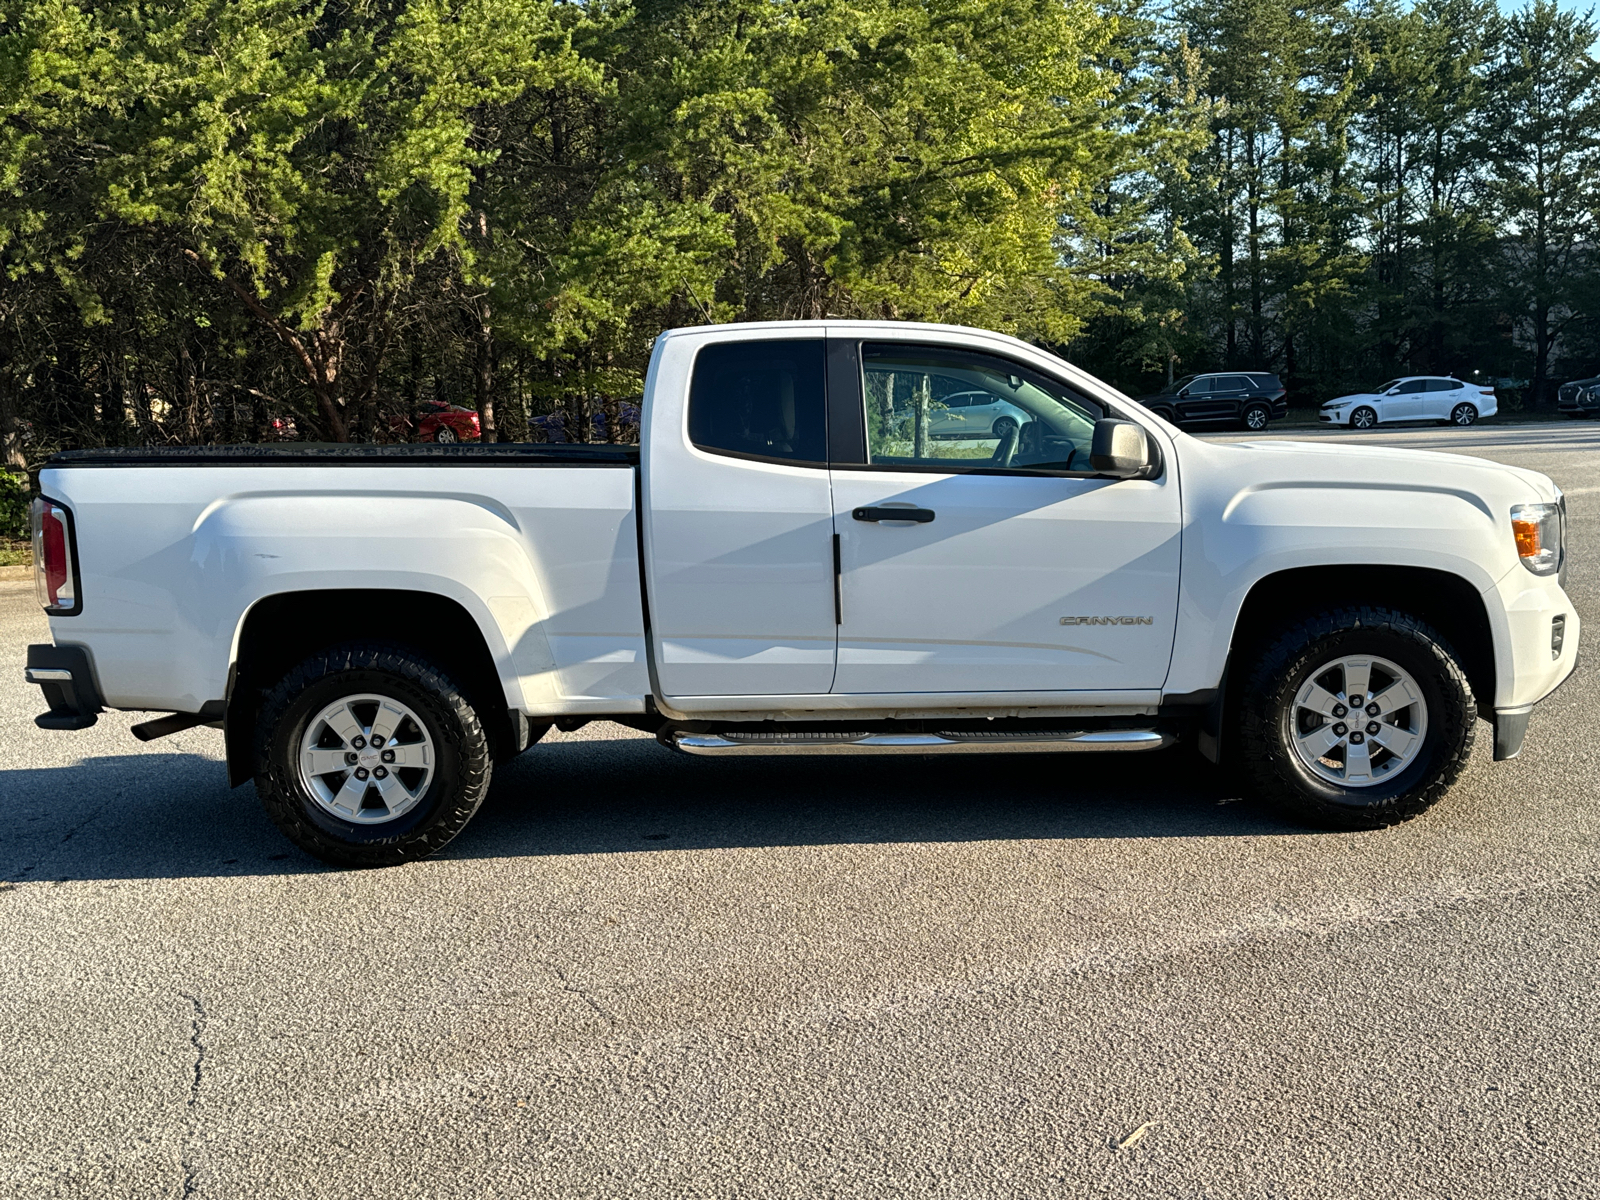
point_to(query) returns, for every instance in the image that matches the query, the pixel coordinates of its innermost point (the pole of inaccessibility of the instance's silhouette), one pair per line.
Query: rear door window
(765, 400)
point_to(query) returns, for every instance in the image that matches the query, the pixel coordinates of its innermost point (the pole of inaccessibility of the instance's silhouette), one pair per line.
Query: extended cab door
(738, 516)
(1013, 567)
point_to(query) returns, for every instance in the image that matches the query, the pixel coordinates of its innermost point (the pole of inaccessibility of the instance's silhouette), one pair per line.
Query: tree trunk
(482, 333)
(10, 432)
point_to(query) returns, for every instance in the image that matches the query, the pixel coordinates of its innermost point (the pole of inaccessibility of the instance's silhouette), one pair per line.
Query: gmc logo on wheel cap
(1108, 620)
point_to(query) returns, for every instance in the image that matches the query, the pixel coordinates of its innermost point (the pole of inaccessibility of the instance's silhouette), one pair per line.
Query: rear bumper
(64, 674)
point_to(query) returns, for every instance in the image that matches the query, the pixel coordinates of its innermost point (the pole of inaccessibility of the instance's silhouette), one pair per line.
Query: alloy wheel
(1358, 720)
(367, 759)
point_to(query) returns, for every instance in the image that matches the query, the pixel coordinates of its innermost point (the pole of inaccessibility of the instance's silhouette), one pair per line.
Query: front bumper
(67, 680)
(1532, 669)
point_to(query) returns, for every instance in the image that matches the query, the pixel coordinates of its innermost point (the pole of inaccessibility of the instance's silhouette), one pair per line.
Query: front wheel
(445, 436)
(1363, 418)
(1463, 414)
(1356, 718)
(367, 756)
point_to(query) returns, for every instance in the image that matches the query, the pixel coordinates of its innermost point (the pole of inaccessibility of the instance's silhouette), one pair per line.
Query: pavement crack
(582, 993)
(197, 1029)
(197, 1033)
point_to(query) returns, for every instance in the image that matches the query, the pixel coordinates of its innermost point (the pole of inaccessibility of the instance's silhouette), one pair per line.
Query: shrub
(14, 498)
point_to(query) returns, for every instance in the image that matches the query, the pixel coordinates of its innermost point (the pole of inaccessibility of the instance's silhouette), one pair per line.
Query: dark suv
(1580, 398)
(1248, 398)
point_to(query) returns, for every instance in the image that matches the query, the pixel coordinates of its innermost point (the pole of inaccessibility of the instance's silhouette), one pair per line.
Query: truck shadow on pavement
(149, 816)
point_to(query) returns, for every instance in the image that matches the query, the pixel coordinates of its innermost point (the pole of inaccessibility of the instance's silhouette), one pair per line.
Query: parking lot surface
(638, 974)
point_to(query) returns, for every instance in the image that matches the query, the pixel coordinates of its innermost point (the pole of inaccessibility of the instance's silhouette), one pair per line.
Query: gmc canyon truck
(808, 552)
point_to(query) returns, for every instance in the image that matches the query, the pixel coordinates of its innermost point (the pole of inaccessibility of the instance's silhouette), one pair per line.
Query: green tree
(1544, 129)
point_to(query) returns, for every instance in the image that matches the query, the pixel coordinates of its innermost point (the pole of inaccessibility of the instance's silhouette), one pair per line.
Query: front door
(1407, 402)
(1014, 568)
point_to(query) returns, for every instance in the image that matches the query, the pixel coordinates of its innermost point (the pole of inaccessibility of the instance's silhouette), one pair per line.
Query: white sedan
(1418, 398)
(975, 414)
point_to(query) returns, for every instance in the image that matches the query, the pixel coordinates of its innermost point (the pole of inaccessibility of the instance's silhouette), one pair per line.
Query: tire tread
(463, 733)
(1267, 762)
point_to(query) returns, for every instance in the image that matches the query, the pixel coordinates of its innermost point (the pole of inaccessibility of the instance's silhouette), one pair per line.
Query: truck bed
(179, 546)
(307, 454)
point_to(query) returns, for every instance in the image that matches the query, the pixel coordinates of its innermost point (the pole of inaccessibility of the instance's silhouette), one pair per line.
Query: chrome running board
(979, 742)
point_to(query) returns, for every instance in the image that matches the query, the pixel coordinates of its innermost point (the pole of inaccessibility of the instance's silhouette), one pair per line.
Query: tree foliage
(236, 219)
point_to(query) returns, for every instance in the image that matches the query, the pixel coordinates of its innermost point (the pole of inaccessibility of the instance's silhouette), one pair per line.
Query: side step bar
(848, 742)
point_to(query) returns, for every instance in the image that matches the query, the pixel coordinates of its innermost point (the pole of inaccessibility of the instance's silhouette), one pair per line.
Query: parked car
(974, 414)
(1580, 398)
(553, 426)
(773, 572)
(441, 422)
(1248, 398)
(1441, 398)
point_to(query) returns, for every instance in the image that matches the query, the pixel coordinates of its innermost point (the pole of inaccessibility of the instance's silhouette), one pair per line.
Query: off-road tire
(1271, 765)
(461, 773)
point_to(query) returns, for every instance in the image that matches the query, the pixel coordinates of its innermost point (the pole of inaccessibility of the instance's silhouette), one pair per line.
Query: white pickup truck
(809, 552)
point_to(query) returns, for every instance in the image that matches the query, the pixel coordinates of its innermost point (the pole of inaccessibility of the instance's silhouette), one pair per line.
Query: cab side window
(764, 400)
(928, 407)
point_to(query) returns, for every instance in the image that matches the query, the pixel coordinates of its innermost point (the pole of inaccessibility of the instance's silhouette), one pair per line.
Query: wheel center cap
(369, 758)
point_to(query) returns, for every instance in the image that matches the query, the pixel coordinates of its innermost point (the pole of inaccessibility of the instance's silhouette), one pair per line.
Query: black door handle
(920, 515)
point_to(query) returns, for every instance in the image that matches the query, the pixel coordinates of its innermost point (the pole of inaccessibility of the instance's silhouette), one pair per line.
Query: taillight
(55, 573)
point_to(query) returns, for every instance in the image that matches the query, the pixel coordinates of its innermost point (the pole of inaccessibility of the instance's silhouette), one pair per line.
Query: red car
(437, 421)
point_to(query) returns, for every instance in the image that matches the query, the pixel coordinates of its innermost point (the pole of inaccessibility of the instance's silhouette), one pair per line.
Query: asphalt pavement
(643, 975)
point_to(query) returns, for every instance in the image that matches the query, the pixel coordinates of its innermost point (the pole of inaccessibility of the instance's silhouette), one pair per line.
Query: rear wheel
(1463, 414)
(1256, 416)
(1363, 418)
(367, 756)
(445, 436)
(1356, 718)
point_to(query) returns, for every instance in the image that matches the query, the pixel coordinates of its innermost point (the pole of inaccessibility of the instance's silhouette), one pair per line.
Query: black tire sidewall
(1266, 416)
(1269, 716)
(460, 750)
(1370, 425)
(1402, 653)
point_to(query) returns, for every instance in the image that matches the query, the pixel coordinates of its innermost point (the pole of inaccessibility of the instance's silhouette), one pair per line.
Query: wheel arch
(284, 628)
(1448, 602)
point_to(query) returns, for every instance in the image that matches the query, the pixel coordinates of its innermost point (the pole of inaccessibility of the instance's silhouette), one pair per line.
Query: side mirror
(1119, 448)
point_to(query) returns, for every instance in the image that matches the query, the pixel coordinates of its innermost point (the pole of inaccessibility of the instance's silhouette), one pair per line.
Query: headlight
(1537, 528)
